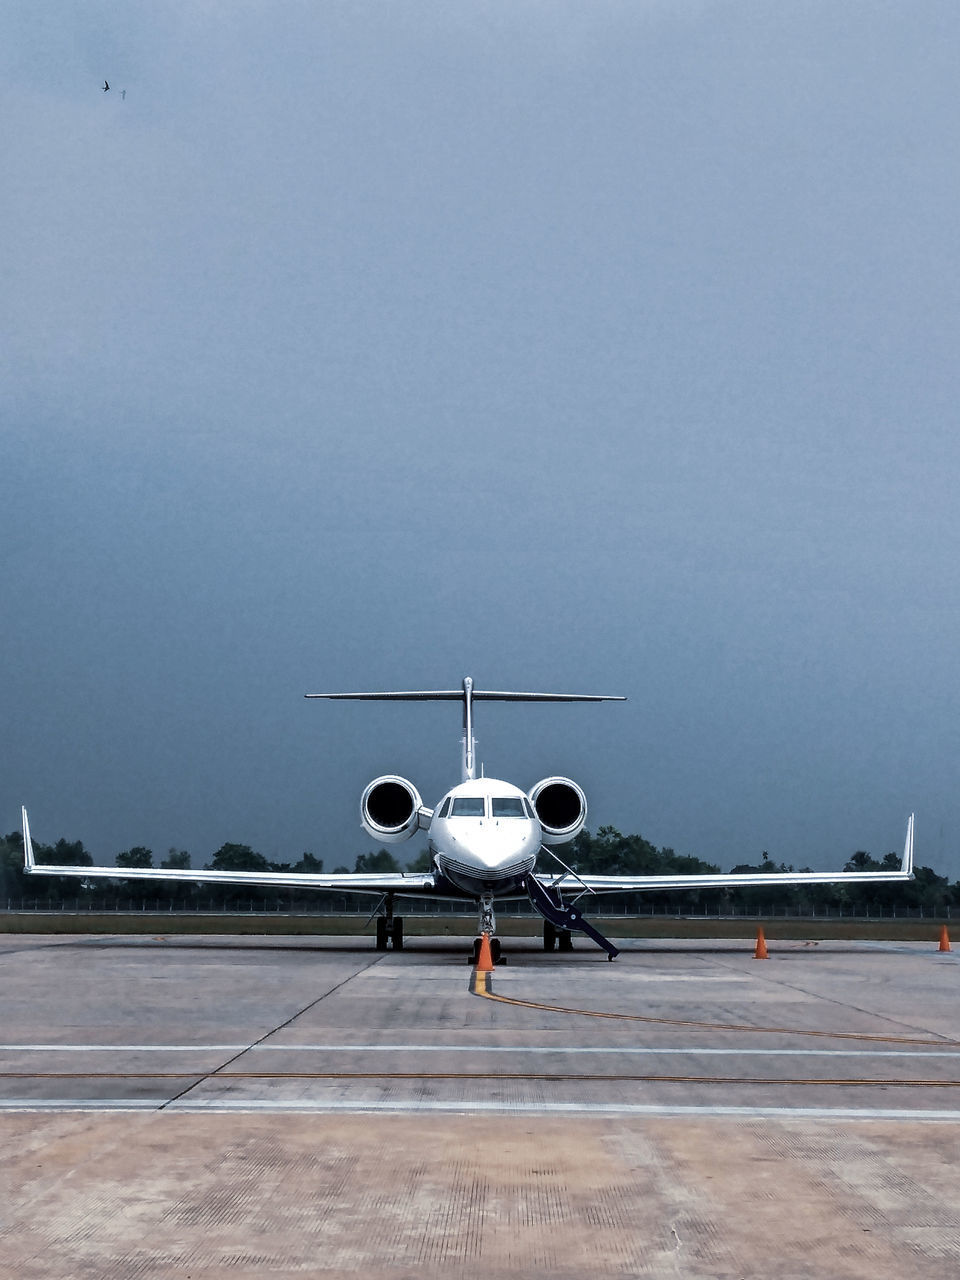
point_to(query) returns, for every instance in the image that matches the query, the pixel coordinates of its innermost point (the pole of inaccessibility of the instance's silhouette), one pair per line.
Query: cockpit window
(507, 807)
(467, 807)
(444, 808)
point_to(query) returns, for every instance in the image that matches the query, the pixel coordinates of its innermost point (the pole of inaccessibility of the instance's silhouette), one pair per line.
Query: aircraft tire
(549, 935)
(397, 933)
(381, 933)
(564, 940)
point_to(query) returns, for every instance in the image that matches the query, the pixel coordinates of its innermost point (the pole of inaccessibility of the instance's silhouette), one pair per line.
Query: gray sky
(606, 348)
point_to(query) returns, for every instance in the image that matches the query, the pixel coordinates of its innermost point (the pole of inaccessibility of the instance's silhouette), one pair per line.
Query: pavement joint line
(480, 986)
(777, 979)
(280, 1027)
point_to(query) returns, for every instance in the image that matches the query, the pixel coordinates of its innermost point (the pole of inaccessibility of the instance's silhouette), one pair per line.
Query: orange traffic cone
(761, 951)
(944, 939)
(485, 958)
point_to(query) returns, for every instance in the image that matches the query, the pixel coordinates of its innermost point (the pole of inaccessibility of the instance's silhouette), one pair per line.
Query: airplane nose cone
(485, 856)
(498, 848)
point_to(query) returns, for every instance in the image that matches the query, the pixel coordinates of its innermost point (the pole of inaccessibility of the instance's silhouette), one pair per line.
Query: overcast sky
(605, 348)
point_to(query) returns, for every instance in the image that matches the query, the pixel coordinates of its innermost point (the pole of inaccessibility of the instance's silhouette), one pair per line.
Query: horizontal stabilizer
(478, 695)
(467, 695)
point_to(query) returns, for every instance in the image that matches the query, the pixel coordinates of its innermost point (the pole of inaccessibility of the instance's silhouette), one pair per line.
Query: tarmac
(198, 1106)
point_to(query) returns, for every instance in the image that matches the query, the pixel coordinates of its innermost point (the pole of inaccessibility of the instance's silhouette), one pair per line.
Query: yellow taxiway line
(480, 986)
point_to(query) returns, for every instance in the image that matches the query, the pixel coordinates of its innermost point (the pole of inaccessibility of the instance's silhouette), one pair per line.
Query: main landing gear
(389, 927)
(554, 937)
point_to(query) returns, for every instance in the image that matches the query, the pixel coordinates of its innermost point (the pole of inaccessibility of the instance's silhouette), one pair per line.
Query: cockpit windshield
(507, 807)
(467, 807)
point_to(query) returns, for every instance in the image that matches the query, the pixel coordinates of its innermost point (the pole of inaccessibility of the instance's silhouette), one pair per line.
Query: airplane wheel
(474, 955)
(564, 941)
(549, 935)
(495, 950)
(398, 933)
(381, 933)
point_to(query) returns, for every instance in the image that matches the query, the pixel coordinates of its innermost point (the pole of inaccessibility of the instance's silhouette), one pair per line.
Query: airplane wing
(571, 880)
(413, 882)
(391, 882)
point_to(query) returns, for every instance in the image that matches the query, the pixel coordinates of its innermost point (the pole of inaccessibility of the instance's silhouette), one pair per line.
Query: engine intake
(561, 807)
(390, 809)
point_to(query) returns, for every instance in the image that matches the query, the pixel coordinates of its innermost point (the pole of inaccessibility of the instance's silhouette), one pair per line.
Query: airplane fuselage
(484, 837)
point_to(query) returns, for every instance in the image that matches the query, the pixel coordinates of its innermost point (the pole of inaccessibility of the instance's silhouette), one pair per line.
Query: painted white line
(122, 1048)
(609, 1050)
(573, 1108)
(254, 1106)
(648, 978)
(105, 1105)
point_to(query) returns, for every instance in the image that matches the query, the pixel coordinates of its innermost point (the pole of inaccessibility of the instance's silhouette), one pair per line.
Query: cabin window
(467, 807)
(507, 807)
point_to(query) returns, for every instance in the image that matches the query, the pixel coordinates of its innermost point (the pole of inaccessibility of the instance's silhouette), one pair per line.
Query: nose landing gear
(487, 925)
(496, 952)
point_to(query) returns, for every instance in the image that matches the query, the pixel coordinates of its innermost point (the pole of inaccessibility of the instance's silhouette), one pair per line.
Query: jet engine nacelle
(390, 809)
(561, 807)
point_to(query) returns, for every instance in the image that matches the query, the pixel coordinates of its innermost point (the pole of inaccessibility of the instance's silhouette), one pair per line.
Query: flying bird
(106, 86)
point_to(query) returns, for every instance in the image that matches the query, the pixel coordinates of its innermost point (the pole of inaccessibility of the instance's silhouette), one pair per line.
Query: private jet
(488, 840)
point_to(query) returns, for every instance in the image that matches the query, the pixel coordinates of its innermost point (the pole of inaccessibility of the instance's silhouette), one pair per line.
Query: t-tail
(468, 695)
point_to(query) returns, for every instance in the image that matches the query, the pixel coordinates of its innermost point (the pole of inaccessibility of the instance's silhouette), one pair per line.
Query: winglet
(29, 861)
(907, 865)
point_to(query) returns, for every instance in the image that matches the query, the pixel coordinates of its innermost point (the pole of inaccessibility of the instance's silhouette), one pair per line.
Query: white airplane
(485, 839)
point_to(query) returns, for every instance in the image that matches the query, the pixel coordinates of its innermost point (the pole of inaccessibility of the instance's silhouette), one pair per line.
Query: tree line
(608, 852)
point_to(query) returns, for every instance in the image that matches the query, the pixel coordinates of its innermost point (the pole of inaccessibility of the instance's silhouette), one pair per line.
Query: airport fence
(344, 906)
